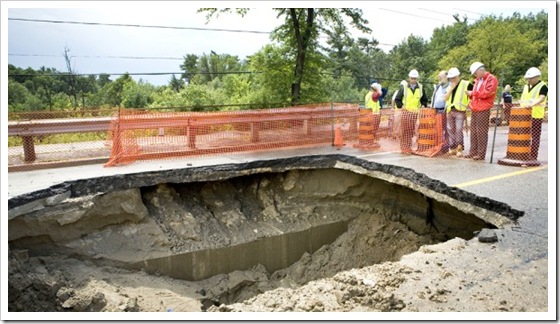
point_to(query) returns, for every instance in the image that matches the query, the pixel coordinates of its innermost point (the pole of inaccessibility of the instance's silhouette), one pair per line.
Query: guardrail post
(28, 149)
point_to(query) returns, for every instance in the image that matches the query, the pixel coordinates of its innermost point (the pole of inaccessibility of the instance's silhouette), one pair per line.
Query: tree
(300, 31)
(113, 92)
(502, 45)
(137, 95)
(176, 84)
(412, 54)
(446, 38)
(103, 80)
(189, 66)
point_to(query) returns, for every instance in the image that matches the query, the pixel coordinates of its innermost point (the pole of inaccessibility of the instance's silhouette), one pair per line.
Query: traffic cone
(338, 140)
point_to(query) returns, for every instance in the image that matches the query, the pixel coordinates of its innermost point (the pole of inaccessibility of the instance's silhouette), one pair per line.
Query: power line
(136, 25)
(476, 13)
(126, 73)
(441, 13)
(409, 14)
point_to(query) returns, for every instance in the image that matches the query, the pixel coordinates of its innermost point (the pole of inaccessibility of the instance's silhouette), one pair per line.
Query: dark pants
(376, 122)
(408, 123)
(479, 133)
(536, 129)
(507, 111)
(445, 139)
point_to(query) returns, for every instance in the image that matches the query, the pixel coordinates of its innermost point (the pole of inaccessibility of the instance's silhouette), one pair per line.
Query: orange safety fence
(142, 135)
(46, 139)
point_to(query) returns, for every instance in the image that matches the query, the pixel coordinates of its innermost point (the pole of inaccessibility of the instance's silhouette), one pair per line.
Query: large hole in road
(260, 230)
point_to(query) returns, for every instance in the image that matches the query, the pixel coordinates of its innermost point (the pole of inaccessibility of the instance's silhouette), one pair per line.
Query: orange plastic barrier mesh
(141, 135)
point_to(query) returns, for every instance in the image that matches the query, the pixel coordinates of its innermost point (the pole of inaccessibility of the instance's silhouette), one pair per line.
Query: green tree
(137, 95)
(502, 45)
(17, 94)
(300, 31)
(103, 80)
(112, 93)
(189, 65)
(412, 53)
(446, 38)
(176, 84)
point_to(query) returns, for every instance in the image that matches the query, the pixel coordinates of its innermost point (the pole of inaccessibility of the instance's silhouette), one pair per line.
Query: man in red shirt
(482, 99)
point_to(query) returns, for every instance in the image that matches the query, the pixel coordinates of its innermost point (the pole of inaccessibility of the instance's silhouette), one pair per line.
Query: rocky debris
(487, 236)
(347, 291)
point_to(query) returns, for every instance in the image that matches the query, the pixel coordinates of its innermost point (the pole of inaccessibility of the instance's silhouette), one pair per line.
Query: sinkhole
(289, 220)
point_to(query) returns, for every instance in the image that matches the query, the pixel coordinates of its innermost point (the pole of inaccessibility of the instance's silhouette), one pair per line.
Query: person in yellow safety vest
(372, 98)
(373, 103)
(457, 102)
(411, 97)
(534, 96)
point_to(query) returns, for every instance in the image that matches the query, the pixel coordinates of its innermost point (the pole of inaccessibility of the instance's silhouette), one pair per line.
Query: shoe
(459, 150)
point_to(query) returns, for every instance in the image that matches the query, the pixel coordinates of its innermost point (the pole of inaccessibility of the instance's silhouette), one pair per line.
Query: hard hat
(413, 74)
(475, 66)
(532, 72)
(453, 72)
(376, 85)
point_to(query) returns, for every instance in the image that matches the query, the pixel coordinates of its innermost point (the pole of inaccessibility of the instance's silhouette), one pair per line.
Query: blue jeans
(455, 121)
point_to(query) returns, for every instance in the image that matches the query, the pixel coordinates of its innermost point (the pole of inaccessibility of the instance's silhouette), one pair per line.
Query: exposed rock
(487, 236)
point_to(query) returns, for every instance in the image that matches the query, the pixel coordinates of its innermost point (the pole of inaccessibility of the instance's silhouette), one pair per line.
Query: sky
(108, 49)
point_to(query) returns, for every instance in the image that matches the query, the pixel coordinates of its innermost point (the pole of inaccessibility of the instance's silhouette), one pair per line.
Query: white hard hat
(475, 66)
(532, 72)
(453, 72)
(413, 74)
(376, 85)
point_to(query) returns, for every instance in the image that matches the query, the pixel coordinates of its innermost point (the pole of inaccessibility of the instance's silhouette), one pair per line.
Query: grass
(60, 138)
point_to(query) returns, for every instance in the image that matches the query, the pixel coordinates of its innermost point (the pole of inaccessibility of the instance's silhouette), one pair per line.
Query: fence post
(28, 149)
(497, 116)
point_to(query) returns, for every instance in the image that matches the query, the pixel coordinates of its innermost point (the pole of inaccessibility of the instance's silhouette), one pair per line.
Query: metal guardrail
(30, 129)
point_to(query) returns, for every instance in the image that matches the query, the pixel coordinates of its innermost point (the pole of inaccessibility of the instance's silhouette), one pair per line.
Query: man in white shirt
(438, 102)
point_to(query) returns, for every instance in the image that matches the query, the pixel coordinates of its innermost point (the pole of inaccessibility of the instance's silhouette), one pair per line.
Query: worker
(482, 100)
(506, 103)
(439, 103)
(411, 97)
(534, 96)
(383, 93)
(373, 102)
(457, 102)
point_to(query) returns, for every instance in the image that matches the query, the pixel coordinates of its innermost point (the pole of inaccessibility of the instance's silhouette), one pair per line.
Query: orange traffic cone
(338, 140)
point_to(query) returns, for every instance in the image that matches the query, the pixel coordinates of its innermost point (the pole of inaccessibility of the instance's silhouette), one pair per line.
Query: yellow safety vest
(373, 105)
(528, 97)
(411, 101)
(461, 100)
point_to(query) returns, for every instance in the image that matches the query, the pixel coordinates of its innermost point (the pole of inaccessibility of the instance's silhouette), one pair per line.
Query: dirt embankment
(71, 255)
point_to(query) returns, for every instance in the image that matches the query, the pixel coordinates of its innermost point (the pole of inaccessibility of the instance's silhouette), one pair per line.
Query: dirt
(457, 275)
(393, 256)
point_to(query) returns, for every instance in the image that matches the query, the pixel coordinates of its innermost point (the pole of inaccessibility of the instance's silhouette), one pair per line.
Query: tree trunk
(302, 44)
